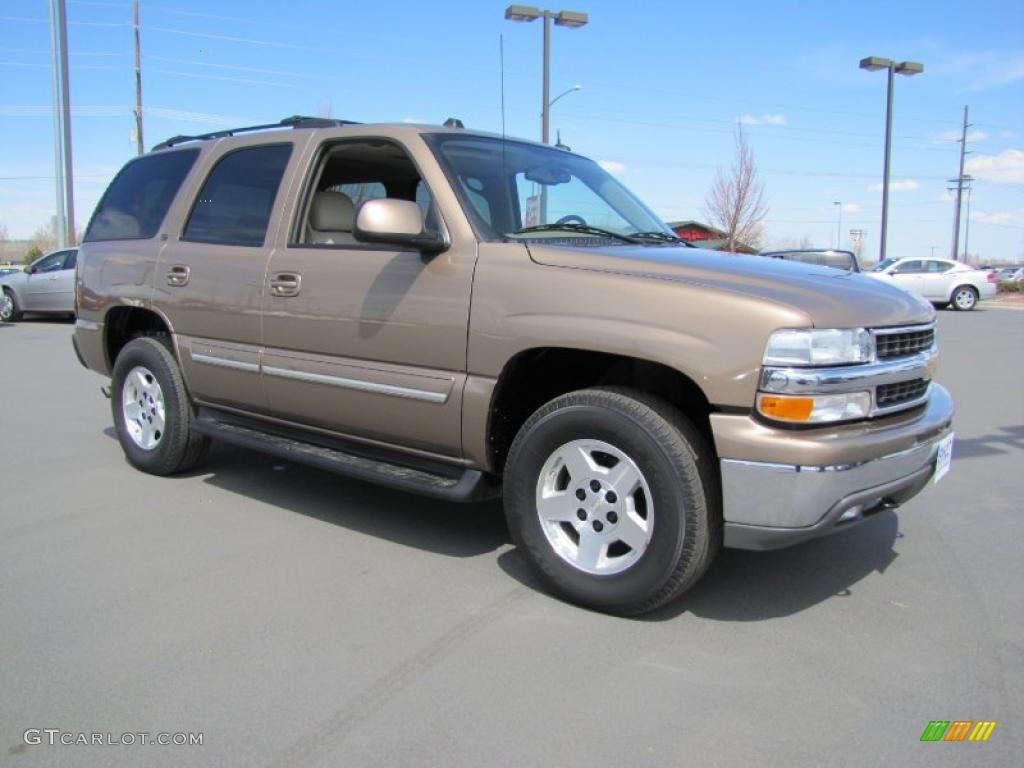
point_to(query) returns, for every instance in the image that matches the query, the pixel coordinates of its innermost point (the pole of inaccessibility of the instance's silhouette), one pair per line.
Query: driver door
(50, 286)
(909, 275)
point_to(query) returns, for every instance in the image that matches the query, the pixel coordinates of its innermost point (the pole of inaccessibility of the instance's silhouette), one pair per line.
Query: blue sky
(663, 85)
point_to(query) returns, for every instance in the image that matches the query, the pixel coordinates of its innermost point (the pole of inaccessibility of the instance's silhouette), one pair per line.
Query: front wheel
(9, 310)
(612, 497)
(151, 409)
(965, 298)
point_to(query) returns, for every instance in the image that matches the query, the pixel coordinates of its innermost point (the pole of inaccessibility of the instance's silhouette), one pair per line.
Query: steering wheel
(572, 218)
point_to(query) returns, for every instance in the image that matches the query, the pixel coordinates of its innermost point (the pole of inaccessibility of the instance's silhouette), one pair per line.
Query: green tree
(33, 254)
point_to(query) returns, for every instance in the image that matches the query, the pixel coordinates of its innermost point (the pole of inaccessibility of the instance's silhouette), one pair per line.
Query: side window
(52, 263)
(135, 203)
(234, 205)
(937, 267)
(350, 173)
(909, 268)
(71, 260)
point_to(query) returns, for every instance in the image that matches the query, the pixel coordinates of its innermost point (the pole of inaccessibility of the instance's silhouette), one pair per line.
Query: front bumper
(768, 505)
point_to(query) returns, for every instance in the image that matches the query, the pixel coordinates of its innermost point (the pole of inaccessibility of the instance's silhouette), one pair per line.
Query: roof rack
(295, 121)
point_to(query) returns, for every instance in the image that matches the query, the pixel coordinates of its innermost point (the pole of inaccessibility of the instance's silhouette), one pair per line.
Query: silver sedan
(46, 285)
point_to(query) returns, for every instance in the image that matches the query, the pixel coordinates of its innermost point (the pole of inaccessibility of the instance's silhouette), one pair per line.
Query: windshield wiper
(571, 226)
(662, 237)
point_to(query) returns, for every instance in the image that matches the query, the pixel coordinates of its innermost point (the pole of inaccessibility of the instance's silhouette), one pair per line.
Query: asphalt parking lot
(295, 618)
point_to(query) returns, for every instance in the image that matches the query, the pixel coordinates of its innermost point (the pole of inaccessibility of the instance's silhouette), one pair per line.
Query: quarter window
(135, 203)
(234, 205)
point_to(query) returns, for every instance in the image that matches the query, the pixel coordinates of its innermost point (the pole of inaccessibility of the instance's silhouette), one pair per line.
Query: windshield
(524, 191)
(883, 265)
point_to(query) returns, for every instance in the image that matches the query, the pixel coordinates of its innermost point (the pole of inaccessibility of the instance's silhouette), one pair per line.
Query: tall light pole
(571, 19)
(839, 224)
(62, 125)
(873, 63)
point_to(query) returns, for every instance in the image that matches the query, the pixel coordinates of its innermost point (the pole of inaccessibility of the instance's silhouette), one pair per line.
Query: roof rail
(295, 121)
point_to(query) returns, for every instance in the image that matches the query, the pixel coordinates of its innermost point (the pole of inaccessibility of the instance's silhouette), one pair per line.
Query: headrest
(331, 212)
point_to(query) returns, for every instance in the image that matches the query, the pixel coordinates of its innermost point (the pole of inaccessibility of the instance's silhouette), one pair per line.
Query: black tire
(9, 310)
(964, 298)
(675, 462)
(178, 447)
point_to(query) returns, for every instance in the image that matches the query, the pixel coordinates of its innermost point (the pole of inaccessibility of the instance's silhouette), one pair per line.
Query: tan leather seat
(330, 218)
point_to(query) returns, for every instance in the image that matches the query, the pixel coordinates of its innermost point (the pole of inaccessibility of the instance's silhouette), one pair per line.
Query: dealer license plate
(944, 459)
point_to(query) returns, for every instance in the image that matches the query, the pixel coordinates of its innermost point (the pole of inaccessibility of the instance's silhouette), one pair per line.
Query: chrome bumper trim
(786, 496)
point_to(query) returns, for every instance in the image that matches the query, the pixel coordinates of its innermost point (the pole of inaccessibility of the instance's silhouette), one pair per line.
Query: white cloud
(1005, 168)
(1000, 217)
(413, 120)
(896, 186)
(613, 166)
(852, 207)
(767, 119)
(946, 137)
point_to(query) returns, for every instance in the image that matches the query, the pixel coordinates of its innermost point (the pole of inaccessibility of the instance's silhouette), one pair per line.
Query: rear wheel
(612, 497)
(9, 310)
(151, 409)
(965, 298)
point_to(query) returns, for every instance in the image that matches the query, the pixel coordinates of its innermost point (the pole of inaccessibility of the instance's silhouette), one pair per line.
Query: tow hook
(105, 389)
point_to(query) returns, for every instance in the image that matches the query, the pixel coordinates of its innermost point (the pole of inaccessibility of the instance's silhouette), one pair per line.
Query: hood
(831, 298)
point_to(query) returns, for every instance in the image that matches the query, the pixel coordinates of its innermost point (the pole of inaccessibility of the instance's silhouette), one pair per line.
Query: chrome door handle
(178, 275)
(285, 284)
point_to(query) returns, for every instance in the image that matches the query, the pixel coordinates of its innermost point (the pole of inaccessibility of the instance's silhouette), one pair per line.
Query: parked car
(462, 315)
(10, 270)
(47, 285)
(942, 281)
(825, 257)
(1011, 274)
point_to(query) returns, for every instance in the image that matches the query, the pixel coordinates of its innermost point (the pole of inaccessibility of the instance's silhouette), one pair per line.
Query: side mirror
(29, 269)
(396, 222)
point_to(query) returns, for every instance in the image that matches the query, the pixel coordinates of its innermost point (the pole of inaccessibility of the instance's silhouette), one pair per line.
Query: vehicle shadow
(754, 586)
(740, 585)
(1004, 440)
(442, 527)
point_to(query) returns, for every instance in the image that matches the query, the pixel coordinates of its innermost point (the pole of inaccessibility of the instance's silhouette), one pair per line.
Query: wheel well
(126, 323)
(536, 376)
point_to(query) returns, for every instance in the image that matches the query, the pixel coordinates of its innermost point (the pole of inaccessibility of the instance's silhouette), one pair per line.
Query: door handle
(178, 275)
(285, 284)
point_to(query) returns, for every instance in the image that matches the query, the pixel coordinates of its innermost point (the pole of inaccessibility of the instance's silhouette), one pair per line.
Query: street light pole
(571, 19)
(873, 63)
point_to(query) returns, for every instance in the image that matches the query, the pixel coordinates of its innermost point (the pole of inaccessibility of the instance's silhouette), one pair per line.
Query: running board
(446, 482)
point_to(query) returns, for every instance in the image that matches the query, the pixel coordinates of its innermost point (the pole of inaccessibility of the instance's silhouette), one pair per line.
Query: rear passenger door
(910, 276)
(211, 275)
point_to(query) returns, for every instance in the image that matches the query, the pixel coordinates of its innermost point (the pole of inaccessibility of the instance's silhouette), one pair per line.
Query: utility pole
(62, 126)
(959, 188)
(140, 146)
(967, 221)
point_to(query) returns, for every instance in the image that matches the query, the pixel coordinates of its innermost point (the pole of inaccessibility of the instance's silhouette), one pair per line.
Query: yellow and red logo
(958, 730)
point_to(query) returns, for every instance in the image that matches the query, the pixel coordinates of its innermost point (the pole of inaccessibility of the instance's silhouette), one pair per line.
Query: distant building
(706, 236)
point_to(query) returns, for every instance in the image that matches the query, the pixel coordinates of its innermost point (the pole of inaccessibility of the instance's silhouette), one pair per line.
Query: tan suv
(458, 314)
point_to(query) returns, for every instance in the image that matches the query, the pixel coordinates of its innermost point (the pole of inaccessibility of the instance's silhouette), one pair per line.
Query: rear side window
(135, 203)
(233, 207)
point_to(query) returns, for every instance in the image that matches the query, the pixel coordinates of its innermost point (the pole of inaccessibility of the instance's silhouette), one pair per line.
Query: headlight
(810, 346)
(815, 409)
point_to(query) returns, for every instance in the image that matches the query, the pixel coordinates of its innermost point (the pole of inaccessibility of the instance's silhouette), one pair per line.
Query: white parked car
(46, 285)
(941, 281)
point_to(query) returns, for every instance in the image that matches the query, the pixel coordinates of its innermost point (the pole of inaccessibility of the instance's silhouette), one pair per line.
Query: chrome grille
(888, 395)
(903, 343)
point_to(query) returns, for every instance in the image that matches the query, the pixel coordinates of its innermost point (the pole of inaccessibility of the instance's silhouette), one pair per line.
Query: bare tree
(45, 236)
(736, 202)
